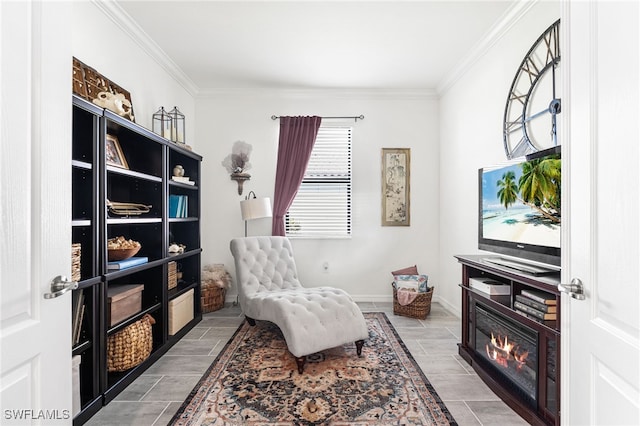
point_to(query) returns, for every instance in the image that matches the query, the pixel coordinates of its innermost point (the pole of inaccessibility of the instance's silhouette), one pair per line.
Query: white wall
(450, 138)
(110, 49)
(360, 265)
(470, 125)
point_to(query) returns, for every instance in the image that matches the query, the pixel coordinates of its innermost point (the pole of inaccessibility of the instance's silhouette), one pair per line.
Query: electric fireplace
(510, 348)
(514, 353)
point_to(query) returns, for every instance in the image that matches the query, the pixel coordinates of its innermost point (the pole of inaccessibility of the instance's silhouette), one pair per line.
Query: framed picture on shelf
(395, 194)
(113, 153)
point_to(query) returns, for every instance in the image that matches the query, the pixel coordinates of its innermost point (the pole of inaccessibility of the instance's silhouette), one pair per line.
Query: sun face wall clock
(529, 123)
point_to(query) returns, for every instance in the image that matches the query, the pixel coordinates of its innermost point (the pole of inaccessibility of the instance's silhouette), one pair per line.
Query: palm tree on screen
(540, 186)
(508, 189)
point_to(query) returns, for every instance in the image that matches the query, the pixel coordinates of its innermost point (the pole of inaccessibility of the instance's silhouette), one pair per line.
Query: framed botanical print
(395, 195)
(113, 153)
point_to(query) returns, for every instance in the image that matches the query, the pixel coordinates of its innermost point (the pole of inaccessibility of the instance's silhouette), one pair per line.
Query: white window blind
(322, 207)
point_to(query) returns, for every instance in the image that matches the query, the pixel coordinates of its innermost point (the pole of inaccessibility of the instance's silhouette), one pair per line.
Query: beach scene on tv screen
(521, 202)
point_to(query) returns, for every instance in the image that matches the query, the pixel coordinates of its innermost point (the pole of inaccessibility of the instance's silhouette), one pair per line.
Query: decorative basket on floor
(130, 346)
(212, 298)
(419, 308)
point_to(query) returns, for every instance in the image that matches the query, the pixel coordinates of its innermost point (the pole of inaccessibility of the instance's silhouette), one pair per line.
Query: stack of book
(178, 206)
(537, 305)
(183, 179)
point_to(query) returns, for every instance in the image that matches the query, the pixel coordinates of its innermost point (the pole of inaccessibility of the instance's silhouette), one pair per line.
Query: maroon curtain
(297, 136)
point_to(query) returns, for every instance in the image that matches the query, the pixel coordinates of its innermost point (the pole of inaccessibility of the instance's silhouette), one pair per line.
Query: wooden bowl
(121, 254)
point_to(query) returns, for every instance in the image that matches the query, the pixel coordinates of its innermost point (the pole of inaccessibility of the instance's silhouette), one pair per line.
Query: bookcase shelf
(133, 220)
(133, 174)
(146, 180)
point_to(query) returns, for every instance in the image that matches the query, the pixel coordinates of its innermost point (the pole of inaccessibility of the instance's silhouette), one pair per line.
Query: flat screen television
(519, 208)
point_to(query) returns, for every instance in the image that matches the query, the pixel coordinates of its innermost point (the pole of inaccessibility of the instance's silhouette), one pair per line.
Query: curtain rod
(355, 117)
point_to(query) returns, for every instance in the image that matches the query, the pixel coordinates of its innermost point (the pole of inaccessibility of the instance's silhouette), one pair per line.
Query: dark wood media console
(524, 370)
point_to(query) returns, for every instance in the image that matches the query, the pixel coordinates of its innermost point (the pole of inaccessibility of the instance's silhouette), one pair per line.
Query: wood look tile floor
(155, 396)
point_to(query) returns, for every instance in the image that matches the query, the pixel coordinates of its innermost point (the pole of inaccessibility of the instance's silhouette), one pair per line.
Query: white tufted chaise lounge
(311, 319)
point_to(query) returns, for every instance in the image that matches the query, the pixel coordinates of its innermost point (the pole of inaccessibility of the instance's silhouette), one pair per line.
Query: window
(322, 207)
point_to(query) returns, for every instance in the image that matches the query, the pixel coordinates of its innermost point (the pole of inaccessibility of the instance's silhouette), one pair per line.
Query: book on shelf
(533, 311)
(539, 296)
(184, 206)
(116, 265)
(178, 206)
(77, 305)
(79, 330)
(535, 304)
(173, 205)
(548, 323)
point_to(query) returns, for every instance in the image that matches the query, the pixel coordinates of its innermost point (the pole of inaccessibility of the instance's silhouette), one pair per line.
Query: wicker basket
(173, 275)
(212, 298)
(76, 253)
(130, 346)
(419, 308)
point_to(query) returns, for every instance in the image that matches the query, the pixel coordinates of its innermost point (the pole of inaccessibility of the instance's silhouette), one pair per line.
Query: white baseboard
(454, 309)
(380, 298)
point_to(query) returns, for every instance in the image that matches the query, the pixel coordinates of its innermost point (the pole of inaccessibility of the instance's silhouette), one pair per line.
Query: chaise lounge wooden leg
(359, 344)
(300, 360)
(251, 321)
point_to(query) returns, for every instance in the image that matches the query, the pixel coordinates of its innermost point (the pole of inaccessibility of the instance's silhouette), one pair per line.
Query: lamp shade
(255, 208)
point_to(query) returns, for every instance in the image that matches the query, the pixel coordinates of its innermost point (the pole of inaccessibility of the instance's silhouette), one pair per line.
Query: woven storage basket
(212, 298)
(130, 346)
(419, 308)
(76, 254)
(173, 275)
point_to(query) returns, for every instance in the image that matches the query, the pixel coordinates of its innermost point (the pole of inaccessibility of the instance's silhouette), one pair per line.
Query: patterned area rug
(254, 381)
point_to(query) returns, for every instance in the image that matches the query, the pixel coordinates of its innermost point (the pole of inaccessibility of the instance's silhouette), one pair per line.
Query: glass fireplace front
(511, 348)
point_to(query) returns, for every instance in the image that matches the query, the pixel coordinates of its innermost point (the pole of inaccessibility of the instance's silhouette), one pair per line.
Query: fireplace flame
(501, 351)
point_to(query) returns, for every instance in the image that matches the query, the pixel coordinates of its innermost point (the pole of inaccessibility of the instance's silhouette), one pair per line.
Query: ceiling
(390, 45)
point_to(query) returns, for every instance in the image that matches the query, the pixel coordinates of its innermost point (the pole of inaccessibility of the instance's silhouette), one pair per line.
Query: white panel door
(601, 356)
(35, 192)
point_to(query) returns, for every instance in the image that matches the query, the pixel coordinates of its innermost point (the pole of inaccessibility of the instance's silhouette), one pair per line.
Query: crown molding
(304, 93)
(504, 24)
(122, 19)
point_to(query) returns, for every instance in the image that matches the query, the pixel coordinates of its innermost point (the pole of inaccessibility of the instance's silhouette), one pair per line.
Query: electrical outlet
(325, 267)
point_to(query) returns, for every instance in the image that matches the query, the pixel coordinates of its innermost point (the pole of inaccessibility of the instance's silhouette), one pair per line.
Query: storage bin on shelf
(130, 346)
(420, 306)
(123, 302)
(180, 311)
(76, 403)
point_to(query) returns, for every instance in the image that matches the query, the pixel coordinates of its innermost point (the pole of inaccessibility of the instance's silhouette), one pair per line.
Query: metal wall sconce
(240, 178)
